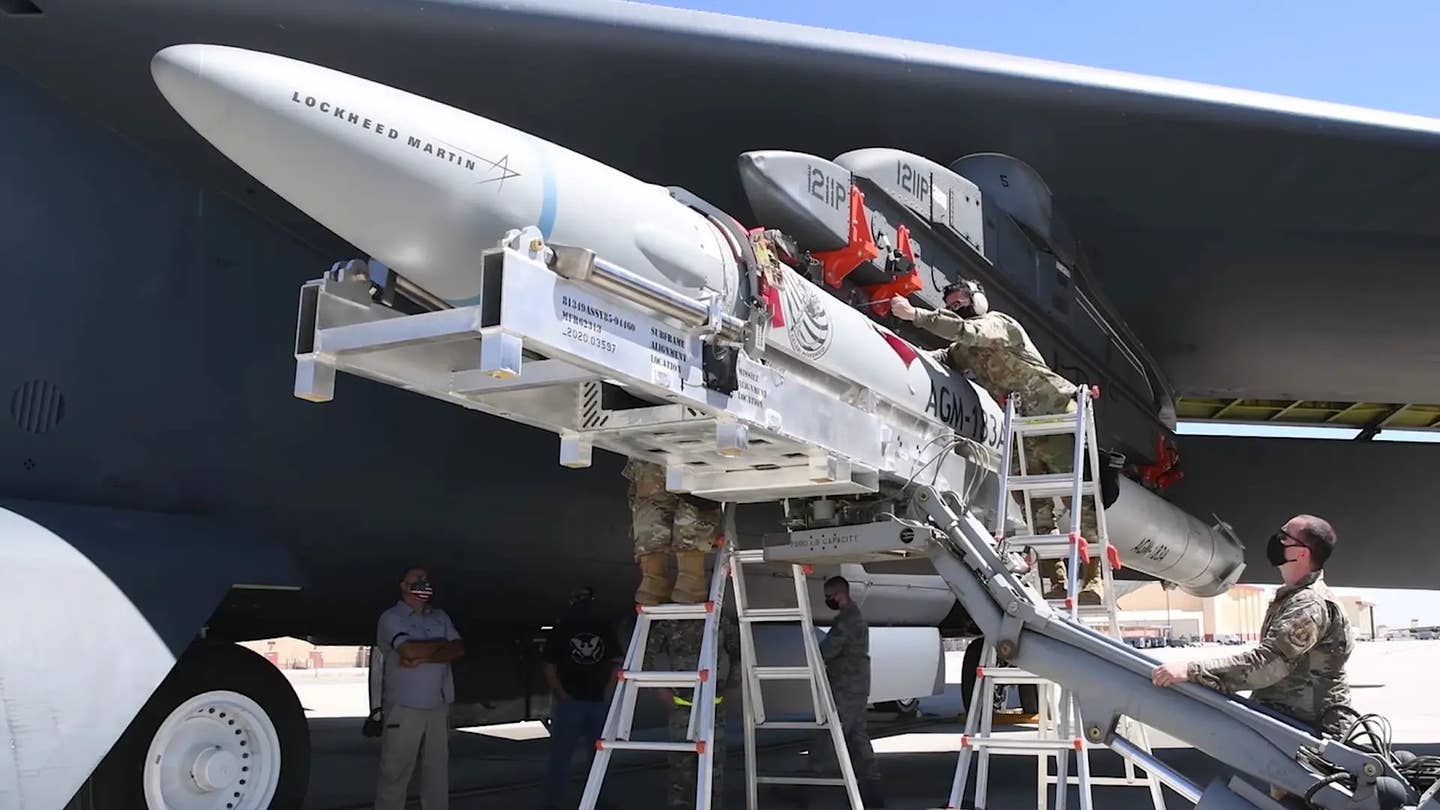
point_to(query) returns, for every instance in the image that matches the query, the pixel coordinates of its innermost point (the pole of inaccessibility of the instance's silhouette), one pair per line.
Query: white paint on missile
(424, 187)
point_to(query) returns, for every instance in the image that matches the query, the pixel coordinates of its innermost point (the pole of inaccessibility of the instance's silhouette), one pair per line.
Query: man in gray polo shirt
(418, 643)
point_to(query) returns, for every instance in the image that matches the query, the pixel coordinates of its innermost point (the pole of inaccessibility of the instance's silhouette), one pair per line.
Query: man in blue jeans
(581, 656)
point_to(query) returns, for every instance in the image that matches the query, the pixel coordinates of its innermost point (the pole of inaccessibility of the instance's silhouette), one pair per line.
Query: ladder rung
(660, 678)
(1010, 675)
(646, 745)
(1051, 546)
(672, 610)
(1082, 610)
(783, 673)
(748, 555)
(1051, 542)
(791, 725)
(1107, 781)
(1020, 746)
(800, 780)
(1051, 484)
(772, 615)
(1043, 425)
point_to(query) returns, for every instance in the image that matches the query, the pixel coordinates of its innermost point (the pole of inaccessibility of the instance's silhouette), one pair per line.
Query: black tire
(1029, 696)
(908, 708)
(117, 785)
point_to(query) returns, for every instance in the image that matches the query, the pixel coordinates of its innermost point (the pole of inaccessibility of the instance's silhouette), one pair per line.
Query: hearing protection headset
(979, 304)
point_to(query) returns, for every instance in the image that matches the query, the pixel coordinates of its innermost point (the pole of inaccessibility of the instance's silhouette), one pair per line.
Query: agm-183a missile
(426, 189)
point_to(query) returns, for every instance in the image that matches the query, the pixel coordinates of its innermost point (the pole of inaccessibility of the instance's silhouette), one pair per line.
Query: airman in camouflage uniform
(1298, 669)
(996, 349)
(666, 523)
(846, 650)
(680, 640)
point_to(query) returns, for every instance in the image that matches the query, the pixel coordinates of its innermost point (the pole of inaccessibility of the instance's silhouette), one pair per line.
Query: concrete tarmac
(501, 766)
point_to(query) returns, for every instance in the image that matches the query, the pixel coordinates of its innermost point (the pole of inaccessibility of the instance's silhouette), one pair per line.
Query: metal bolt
(1370, 769)
(536, 244)
(1095, 733)
(1012, 607)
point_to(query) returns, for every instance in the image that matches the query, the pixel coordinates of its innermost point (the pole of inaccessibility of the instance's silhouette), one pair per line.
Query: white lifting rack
(552, 367)
(600, 370)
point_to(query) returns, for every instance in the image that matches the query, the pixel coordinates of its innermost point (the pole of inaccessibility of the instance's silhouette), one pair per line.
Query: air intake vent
(37, 406)
(19, 7)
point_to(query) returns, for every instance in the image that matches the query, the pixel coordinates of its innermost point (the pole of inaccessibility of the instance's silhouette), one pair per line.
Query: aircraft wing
(1259, 246)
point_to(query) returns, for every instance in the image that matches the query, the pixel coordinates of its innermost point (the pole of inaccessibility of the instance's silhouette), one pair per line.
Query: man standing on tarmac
(1298, 669)
(996, 349)
(666, 524)
(581, 656)
(846, 650)
(418, 643)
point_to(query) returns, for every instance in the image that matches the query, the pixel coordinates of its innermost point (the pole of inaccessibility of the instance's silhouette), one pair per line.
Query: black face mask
(831, 603)
(1275, 549)
(966, 311)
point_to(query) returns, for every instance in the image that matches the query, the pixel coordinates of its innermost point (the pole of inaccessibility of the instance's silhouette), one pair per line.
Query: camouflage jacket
(995, 348)
(846, 650)
(1299, 666)
(646, 480)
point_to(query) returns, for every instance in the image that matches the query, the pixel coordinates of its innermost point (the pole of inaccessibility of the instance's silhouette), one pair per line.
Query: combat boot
(654, 584)
(1054, 570)
(690, 584)
(1091, 589)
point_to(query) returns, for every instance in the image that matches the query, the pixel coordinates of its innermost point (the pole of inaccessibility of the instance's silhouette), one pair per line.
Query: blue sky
(1382, 56)
(1370, 55)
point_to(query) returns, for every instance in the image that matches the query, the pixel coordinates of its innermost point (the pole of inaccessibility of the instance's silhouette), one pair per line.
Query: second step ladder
(1059, 718)
(824, 717)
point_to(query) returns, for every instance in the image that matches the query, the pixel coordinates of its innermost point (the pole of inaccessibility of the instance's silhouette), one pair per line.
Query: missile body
(426, 189)
(423, 187)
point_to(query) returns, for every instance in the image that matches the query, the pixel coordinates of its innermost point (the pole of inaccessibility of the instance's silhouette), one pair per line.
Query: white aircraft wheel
(224, 731)
(909, 707)
(216, 749)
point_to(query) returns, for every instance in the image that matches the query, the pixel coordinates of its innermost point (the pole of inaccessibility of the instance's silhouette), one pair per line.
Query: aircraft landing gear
(224, 729)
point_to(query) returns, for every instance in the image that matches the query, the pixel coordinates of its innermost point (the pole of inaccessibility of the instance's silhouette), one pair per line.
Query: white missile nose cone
(183, 75)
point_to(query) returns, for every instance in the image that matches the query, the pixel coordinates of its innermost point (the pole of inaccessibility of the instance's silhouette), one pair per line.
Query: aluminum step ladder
(632, 677)
(824, 717)
(1059, 718)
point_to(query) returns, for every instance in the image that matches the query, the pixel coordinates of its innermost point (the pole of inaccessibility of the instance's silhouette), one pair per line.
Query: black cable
(1329, 780)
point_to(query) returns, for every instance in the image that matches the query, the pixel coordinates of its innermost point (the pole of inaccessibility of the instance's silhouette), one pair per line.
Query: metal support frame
(611, 361)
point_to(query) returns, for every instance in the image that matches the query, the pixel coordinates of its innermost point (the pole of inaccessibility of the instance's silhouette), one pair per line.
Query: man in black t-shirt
(581, 656)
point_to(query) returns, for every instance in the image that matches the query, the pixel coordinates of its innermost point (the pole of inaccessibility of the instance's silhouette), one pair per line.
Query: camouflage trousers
(1050, 455)
(684, 767)
(665, 522)
(851, 708)
(680, 640)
